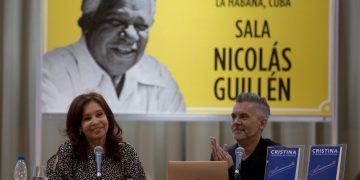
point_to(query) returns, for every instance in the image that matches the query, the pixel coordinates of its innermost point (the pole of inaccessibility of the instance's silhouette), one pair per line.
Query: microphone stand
(98, 176)
(239, 152)
(237, 175)
(98, 151)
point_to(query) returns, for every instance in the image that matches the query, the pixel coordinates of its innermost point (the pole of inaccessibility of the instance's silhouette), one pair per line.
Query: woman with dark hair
(90, 123)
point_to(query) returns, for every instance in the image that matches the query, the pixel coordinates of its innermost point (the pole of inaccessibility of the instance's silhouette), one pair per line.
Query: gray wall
(349, 83)
(155, 142)
(19, 56)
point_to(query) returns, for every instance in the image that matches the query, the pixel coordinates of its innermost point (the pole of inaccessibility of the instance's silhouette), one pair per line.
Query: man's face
(118, 40)
(245, 124)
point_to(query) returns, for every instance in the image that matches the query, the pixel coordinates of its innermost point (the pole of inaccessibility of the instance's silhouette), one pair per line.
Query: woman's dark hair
(73, 123)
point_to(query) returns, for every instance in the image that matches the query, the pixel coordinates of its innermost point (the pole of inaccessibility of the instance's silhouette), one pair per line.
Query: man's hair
(251, 97)
(89, 9)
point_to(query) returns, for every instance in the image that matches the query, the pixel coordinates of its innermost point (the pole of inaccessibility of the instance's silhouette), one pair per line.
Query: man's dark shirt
(253, 168)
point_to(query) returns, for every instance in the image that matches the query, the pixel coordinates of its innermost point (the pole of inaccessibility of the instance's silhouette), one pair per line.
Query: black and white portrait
(109, 58)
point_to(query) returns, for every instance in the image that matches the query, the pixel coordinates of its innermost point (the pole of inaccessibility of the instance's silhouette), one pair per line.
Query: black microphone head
(98, 150)
(239, 151)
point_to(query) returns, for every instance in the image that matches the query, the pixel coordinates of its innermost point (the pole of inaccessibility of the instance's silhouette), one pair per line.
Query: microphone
(98, 150)
(239, 152)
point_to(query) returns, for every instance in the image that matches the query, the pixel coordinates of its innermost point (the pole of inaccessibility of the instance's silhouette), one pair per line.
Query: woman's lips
(96, 129)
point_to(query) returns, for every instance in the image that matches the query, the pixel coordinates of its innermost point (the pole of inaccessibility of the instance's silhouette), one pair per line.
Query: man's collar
(91, 73)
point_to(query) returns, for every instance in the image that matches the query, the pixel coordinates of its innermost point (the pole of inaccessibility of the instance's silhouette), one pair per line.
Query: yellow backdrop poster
(216, 49)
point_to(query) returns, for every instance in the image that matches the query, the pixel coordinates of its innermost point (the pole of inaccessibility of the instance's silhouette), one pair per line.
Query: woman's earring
(80, 132)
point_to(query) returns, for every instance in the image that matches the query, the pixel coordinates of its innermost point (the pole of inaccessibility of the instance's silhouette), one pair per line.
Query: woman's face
(94, 124)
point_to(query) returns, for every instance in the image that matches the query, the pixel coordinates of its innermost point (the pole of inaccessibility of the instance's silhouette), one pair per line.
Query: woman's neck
(100, 142)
